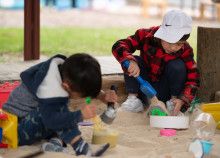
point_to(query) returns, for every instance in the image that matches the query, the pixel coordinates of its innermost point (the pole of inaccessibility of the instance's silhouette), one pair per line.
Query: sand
(136, 139)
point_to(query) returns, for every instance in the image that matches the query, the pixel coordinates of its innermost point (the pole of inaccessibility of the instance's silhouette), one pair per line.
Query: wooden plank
(208, 57)
(31, 29)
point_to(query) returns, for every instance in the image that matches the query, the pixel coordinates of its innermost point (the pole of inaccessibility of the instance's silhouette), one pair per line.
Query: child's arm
(124, 48)
(192, 81)
(178, 103)
(88, 111)
(108, 96)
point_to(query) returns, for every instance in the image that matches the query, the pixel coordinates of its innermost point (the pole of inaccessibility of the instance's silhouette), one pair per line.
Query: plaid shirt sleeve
(192, 80)
(124, 48)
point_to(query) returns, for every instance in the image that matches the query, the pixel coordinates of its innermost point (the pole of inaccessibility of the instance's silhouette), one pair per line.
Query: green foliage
(11, 40)
(193, 42)
(69, 40)
(97, 41)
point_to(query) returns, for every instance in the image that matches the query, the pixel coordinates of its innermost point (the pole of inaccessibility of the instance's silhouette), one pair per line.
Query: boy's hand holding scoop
(156, 106)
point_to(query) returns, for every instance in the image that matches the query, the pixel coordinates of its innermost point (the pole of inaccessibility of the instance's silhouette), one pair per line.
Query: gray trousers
(20, 102)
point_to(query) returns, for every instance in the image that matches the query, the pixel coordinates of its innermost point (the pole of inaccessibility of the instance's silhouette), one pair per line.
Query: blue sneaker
(54, 145)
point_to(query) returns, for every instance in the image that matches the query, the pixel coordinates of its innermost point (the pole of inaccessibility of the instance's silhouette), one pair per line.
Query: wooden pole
(31, 30)
(208, 58)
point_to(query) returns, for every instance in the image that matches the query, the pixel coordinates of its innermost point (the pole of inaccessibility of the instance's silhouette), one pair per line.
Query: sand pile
(136, 139)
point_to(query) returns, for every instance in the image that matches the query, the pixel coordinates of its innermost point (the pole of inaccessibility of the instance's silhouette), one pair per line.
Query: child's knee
(177, 66)
(69, 135)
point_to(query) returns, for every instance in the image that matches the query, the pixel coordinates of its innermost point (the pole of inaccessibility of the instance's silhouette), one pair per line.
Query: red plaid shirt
(155, 57)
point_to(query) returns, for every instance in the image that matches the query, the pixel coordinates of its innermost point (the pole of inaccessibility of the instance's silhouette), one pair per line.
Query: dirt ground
(136, 138)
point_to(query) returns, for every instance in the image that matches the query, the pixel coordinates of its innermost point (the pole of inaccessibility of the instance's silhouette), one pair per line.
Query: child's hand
(178, 103)
(155, 102)
(108, 96)
(111, 96)
(133, 69)
(88, 111)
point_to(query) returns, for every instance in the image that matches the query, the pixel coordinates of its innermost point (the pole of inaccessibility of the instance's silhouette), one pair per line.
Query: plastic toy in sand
(171, 122)
(213, 109)
(109, 115)
(5, 90)
(200, 148)
(168, 132)
(156, 111)
(101, 134)
(2, 117)
(106, 135)
(204, 127)
(8, 128)
(161, 119)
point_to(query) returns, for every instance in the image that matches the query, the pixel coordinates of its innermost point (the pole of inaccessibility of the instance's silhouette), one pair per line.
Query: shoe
(54, 145)
(83, 148)
(133, 104)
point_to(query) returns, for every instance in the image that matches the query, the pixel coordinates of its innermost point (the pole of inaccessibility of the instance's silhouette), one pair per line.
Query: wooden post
(218, 11)
(31, 29)
(208, 58)
(202, 10)
(145, 7)
(146, 4)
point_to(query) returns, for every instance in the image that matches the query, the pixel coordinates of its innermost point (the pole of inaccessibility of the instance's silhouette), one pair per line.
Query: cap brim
(171, 36)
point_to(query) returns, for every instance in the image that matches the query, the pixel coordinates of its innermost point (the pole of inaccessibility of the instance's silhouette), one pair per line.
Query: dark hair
(83, 74)
(185, 37)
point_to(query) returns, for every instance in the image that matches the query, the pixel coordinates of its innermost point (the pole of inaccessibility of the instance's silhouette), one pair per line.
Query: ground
(137, 138)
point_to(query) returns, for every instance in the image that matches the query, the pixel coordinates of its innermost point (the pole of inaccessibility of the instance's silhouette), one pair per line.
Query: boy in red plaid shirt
(166, 61)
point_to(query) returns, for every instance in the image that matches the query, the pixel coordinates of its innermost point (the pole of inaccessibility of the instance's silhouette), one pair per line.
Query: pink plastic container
(5, 90)
(168, 132)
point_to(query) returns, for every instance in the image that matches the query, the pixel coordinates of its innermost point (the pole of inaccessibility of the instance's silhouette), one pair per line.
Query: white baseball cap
(175, 25)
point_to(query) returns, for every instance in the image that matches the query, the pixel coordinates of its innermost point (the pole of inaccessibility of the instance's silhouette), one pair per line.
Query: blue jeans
(171, 82)
(31, 129)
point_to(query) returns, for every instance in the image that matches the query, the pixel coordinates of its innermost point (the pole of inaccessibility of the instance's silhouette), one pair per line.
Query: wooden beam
(31, 29)
(208, 58)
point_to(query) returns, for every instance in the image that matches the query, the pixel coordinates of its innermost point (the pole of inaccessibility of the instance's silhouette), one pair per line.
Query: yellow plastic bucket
(9, 126)
(105, 136)
(213, 109)
(210, 107)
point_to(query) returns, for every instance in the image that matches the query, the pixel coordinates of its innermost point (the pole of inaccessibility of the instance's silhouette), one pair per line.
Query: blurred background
(92, 26)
